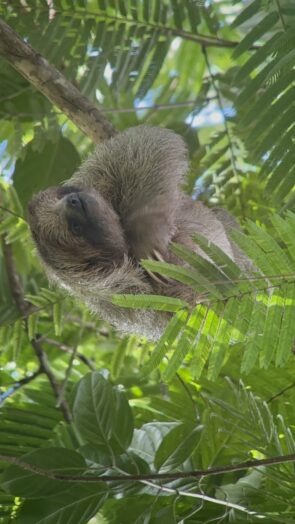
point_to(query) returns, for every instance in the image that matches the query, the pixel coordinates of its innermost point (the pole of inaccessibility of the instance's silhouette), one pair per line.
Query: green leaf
(187, 341)
(247, 13)
(176, 447)
(259, 258)
(256, 32)
(269, 96)
(33, 320)
(214, 278)
(201, 349)
(221, 343)
(102, 414)
(254, 336)
(272, 328)
(258, 59)
(57, 318)
(119, 356)
(204, 342)
(155, 302)
(285, 230)
(172, 330)
(279, 260)
(287, 328)
(148, 438)
(284, 63)
(223, 261)
(181, 274)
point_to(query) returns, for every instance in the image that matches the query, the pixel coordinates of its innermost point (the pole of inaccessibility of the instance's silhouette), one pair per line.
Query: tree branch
(24, 309)
(47, 79)
(19, 384)
(201, 496)
(14, 281)
(204, 40)
(147, 476)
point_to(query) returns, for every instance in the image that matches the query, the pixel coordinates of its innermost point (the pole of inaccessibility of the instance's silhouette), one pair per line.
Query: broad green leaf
(102, 414)
(148, 438)
(176, 447)
(75, 506)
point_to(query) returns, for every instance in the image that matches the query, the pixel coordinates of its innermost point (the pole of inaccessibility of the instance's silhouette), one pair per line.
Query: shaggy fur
(123, 204)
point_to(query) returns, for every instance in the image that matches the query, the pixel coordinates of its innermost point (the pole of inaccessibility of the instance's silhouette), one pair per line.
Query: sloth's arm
(150, 226)
(139, 172)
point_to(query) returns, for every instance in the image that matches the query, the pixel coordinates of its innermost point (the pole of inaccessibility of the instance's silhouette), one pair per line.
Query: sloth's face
(75, 229)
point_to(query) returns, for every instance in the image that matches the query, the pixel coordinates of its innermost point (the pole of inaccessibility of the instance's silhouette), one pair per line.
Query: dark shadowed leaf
(23, 483)
(40, 169)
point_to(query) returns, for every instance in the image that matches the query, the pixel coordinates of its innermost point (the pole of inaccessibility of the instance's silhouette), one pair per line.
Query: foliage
(218, 387)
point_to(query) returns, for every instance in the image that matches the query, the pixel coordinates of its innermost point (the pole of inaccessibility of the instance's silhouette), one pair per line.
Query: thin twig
(114, 110)
(281, 15)
(201, 496)
(104, 332)
(7, 210)
(68, 349)
(42, 357)
(221, 108)
(204, 40)
(281, 392)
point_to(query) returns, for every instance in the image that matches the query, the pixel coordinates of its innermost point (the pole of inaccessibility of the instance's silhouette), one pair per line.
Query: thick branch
(53, 85)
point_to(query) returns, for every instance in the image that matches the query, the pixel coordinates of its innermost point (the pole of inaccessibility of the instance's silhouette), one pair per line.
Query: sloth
(124, 204)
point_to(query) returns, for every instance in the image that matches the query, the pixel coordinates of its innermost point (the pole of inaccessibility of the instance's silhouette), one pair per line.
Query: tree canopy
(198, 427)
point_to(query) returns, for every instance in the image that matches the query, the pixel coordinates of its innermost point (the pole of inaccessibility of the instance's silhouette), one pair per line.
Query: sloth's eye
(76, 228)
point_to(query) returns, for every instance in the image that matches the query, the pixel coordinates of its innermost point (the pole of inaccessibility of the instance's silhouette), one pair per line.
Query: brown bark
(49, 81)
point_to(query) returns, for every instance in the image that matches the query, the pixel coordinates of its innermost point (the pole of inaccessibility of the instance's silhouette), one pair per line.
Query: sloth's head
(75, 230)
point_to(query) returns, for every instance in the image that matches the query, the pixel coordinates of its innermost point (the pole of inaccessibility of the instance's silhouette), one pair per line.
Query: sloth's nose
(74, 201)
